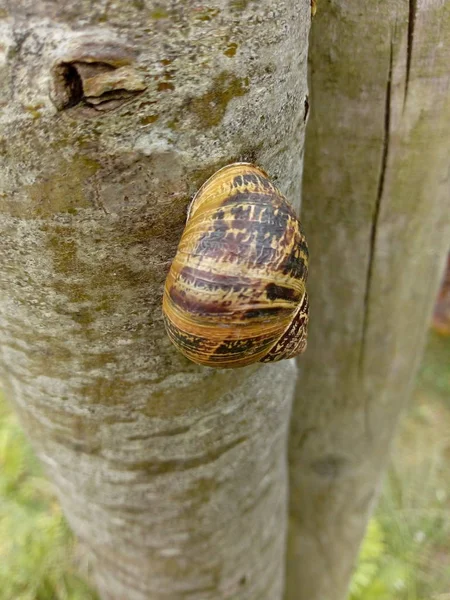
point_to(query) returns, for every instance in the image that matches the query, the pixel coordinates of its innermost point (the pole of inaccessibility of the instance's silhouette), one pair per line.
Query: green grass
(434, 374)
(37, 550)
(406, 552)
(405, 556)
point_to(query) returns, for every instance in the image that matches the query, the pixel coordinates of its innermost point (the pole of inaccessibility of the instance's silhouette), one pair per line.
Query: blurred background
(406, 552)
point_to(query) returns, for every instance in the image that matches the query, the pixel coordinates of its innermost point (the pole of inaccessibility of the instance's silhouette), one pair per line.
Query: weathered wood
(111, 115)
(376, 213)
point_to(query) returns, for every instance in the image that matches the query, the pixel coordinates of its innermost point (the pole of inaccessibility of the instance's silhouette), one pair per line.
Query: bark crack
(411, 25)
(375, 219)
(177, 465)
(99, 74)
(164, 433)
(19, 39)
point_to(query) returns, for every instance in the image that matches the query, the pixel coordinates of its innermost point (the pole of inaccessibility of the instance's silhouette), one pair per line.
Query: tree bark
(112, 115)
(376, 213)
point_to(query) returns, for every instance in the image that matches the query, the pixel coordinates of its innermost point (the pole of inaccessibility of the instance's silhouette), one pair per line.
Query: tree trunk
(376, 213)
(112, 115)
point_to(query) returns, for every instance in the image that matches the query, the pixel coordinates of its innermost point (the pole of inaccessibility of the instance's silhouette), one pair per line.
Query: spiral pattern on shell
(235, 293)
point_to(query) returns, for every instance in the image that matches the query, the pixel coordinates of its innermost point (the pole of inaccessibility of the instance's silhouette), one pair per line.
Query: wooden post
(376, 213)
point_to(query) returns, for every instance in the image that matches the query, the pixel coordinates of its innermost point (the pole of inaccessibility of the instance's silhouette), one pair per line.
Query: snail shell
(235, 293)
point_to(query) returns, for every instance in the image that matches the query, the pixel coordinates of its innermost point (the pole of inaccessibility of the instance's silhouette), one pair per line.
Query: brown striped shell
(235, 293)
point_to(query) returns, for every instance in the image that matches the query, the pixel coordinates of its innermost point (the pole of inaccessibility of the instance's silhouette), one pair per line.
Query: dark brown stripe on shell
(182, 339)
(266, 198)
(191, 305)
(231, 238)
(205, 280)
(293, 341)
(228, 353)
(195, 304)
(281, 292)
(295, 266)
(252, 178)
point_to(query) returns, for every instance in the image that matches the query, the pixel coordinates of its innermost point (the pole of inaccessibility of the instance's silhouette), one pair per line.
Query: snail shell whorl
(235, 293)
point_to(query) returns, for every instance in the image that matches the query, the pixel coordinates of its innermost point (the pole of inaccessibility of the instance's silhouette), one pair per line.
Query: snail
(235, 293)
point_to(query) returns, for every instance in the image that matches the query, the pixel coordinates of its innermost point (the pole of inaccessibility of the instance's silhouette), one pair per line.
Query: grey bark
(111, 115)
(376, 214)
